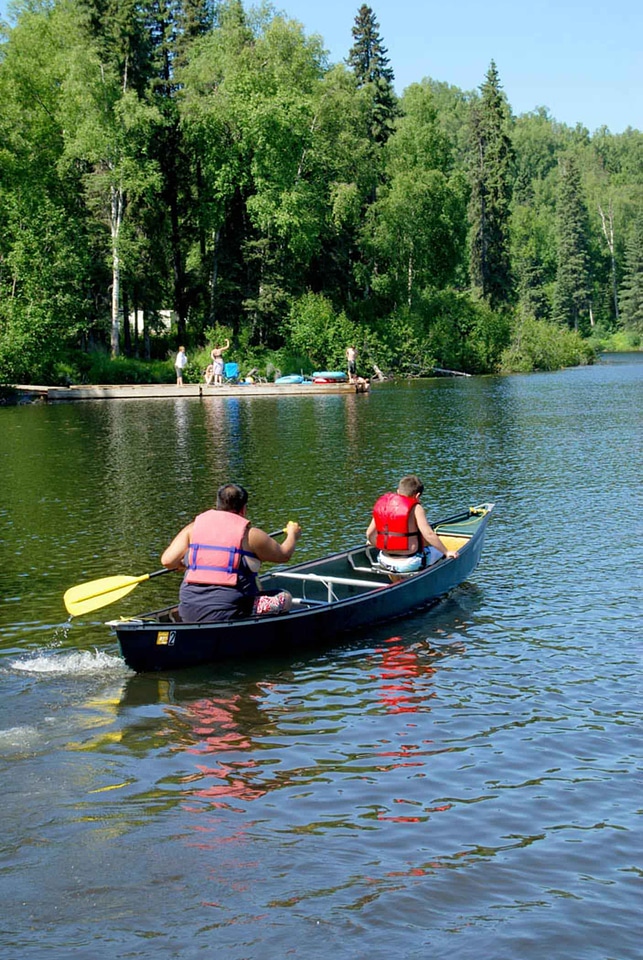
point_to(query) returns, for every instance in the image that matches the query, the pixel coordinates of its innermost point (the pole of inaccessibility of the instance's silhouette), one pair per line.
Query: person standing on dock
(217, 362)
(351, 360)
(179, 365)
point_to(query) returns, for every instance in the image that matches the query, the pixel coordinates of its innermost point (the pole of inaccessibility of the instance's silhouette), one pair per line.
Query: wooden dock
(165, 391)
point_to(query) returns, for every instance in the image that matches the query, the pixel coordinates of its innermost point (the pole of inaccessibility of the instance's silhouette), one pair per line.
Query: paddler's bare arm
(172, 556)
(271, 551)
(429, 534)
(371, 533)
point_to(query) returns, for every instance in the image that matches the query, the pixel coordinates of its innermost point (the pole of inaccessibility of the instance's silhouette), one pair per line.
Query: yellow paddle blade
(99, 593)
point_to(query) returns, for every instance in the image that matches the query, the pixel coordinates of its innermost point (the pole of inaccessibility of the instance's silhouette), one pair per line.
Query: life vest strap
(232, 553)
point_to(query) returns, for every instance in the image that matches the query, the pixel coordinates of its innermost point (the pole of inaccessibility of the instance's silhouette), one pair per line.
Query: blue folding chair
(231, 373)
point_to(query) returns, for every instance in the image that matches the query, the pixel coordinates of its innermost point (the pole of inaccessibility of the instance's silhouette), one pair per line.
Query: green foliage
(538, 345)
(98, 367)
(491, 178)
(319, 333)
(23, 357)
(23, 360)
(415, 230)
(537, 141)
(571, 293)
(199, 157)
(533, 249)
(446, 329)
(631, 294)
(464, 333)
(619, 341)
(401, 346)
(368, 60)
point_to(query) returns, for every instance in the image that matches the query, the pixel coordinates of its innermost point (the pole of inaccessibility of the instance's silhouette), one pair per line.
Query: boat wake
(78, 663)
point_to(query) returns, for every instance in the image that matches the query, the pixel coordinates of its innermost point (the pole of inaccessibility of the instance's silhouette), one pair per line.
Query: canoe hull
(359, 597)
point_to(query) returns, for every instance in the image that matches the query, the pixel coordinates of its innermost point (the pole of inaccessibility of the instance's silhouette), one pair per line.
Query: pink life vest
(215, 552)
(392, 513)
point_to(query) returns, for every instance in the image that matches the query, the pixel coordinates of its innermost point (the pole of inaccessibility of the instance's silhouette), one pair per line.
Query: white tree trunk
(608, 233)
(116, 219)
(409, 281)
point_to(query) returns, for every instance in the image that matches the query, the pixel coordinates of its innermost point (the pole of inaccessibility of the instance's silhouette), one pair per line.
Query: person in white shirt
(179, 365)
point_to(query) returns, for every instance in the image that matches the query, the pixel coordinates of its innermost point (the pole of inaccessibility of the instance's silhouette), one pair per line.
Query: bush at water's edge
(621, 341)
(539, 345)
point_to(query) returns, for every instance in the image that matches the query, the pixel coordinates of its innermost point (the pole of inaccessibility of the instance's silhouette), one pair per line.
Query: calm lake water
(464, 783)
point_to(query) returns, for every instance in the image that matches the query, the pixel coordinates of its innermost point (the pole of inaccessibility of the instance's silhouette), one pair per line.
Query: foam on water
(18, 738)
(79, 663)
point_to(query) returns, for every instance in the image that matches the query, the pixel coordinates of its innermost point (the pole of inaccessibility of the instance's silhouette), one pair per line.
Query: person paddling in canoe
(399, 528)
(222, 553)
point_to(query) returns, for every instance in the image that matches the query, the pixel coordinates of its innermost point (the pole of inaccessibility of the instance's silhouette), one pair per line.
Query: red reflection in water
(214, 730)
(399, 672)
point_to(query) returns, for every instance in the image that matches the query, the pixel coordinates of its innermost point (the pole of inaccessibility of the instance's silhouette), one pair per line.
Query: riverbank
(30, 393)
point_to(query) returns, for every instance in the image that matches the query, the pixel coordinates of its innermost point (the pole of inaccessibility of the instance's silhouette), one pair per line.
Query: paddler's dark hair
(231, 497)
(410, 486)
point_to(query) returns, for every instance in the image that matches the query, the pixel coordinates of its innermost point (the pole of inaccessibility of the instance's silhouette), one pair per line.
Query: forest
(204, 161)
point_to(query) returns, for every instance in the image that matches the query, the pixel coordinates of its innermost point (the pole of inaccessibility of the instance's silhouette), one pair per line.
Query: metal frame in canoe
(333, 595)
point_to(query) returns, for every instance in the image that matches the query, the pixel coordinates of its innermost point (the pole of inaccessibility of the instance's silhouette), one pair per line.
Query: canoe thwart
(329, 581)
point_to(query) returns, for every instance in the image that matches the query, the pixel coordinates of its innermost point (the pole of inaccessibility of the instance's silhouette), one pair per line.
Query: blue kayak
(330, 375)
(291, 378)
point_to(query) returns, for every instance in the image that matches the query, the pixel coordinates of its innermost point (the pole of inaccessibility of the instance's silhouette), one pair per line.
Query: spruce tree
(631, 292)
(491, 179)
(367, 58)
(118, 31)
(571, 290)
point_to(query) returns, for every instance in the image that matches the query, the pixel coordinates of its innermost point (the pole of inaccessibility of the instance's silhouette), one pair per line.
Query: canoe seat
(453, 542)
(394, 574)
(374, 567)
(370, 558)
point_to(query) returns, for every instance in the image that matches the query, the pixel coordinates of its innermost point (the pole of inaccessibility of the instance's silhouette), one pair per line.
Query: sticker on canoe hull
(165, 638)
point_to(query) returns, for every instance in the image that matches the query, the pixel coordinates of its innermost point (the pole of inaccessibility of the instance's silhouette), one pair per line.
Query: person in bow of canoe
(222, 553)
(400, 529)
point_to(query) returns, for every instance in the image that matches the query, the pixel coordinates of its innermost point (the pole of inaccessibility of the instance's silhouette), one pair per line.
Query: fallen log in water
(451, 373)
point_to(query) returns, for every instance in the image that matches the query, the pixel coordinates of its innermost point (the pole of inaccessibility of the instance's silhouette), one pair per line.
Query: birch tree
(607, 223)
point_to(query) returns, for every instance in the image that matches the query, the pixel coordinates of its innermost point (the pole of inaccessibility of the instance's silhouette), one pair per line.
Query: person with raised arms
(222, 552)
(218, 365)
(400, 530)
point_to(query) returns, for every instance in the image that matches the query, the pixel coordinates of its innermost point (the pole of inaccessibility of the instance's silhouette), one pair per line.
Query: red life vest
(392, 513)
(215, 552)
